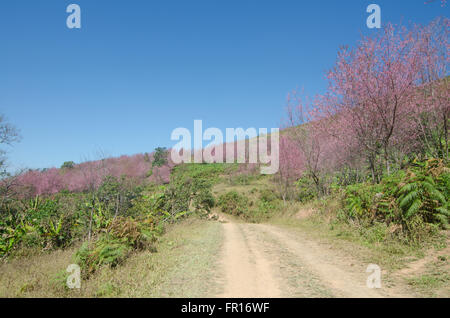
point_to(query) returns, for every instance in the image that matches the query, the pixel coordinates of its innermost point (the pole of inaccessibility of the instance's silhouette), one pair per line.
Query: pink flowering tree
(387, 97)
(370, 91)
(291, 166)
(315, 145)
(430, 108)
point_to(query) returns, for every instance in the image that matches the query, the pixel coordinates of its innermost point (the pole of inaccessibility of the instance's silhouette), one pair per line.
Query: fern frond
(443, 211)
(437, 195)
(408, 199)
(429, 180)
(442, 219)
(414, 208)
(408, 188)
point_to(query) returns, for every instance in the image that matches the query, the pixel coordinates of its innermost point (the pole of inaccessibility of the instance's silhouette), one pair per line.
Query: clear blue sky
(138, 69)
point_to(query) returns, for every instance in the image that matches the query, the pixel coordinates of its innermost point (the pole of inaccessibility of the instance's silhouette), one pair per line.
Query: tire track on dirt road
(248, 273)
(266, 261)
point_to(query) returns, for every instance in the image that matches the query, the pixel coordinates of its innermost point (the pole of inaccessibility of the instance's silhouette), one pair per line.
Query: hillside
(357, 203)
(298, 250)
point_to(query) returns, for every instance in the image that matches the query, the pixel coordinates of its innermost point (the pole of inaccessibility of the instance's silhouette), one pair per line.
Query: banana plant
(99, 217)
(12, 236)
(35, 203)
(55, 230)
(7, 241)
(6, 246)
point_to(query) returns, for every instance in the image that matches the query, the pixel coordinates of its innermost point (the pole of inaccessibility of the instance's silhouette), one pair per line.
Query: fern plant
(360, 199)
(422, 196)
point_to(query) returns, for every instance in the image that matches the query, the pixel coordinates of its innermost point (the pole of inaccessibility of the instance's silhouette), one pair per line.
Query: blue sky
(138, 69)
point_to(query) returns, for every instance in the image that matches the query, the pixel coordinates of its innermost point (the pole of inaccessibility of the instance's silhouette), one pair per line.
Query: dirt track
(267, 261)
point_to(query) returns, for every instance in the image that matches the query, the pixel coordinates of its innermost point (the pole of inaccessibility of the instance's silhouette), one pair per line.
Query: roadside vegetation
(365, 163)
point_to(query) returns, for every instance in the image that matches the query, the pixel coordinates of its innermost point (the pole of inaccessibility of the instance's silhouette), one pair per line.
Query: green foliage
(37, 223)
(424, 192)
(188, 192)
(108, 290)
(159, 157)
(68, 165)
(241, 179)
(360, 199)
(412, 202)
(267, 195)
(263, 210)
(233, 203)
(114, 197)
(185, 194)
(106, 251)
(347, 176)
(112, 247)
(59, 281)
(209, 172)
(306, 189)
(251, 210)
(57, 221)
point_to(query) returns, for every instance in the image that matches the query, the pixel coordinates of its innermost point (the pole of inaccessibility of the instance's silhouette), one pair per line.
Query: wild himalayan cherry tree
(88, 176)
(431, 107)
(291, 166)
(387, 97)
(370, 93)
(317, 148)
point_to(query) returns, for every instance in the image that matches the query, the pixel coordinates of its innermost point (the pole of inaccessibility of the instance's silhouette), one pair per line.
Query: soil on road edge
(266, 261)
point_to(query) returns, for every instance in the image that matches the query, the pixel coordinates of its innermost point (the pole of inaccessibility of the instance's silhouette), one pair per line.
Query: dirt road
(268, 261)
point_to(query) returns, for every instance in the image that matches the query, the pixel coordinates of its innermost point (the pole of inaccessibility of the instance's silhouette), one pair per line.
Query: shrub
(306, 189)
(267, 195)
(159, 157)
(111, 248)
(116, 194)
(416, 200)
(209, 172)
(233, 203)
(241, 179)
(186, 194)
(422, 194)
(360, 199)
(138, 235)
(105, 251)
(68, 165)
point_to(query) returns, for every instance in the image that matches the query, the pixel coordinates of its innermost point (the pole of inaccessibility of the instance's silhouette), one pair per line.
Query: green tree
(159, 157)
(8, 136)
(68, 165)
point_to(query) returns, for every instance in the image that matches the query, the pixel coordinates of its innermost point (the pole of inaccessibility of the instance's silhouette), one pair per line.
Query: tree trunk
(372, 169)
(386, 158)
(117, 205)
(446, 137)
(90, 225)
(90, 221)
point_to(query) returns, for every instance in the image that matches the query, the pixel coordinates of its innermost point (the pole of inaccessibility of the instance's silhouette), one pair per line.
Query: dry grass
(183, 266)
(317, 220)
(259, 183)
(34, 276)
(392, 256)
